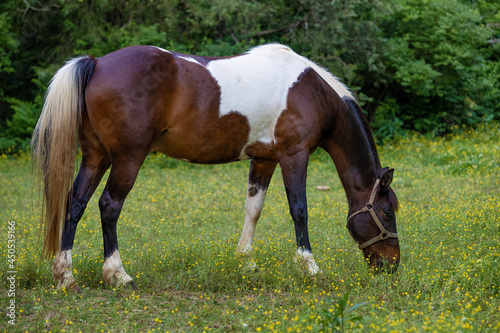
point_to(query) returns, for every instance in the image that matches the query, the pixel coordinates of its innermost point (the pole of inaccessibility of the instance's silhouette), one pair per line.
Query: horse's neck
(353, 151)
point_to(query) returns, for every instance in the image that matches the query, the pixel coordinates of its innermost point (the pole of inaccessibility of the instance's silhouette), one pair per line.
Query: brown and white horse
(268, 105)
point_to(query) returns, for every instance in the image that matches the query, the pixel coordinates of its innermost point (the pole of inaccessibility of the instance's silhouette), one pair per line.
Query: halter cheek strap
(384, 234)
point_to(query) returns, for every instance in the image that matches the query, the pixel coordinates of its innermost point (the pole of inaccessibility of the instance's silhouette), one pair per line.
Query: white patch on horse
(253, 208)
(190, 60)
(306, 258)
(61, 269)
(256, 85)
(163, 50)
(113, 270)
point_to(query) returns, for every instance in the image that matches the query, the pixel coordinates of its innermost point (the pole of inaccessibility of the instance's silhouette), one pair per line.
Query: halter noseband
(384, 234)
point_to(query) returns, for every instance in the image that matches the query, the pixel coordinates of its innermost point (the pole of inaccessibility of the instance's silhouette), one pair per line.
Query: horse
(269, 105)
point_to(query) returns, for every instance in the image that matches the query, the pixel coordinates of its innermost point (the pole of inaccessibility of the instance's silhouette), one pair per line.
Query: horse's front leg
(258, 181)
(294, 170)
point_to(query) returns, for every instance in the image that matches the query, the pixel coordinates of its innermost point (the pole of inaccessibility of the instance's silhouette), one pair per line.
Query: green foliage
(386, 123)
(8, 46)
(20, 127)
(333, 319)
(438, 62)
(8, 43)
(414, 65)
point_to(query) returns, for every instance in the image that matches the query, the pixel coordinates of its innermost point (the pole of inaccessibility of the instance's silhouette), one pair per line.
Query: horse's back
(235, 103)
(205, 110)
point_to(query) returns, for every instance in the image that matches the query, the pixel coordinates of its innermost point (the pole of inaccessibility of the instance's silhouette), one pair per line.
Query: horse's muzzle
(382, 265)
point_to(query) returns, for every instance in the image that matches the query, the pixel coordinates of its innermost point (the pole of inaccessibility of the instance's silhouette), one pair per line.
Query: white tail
(54, 144)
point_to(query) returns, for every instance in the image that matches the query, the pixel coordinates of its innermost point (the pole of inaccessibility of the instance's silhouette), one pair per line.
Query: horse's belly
(220, 141)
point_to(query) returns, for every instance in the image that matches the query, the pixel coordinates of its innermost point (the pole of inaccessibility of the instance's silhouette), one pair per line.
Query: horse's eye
(390, 213)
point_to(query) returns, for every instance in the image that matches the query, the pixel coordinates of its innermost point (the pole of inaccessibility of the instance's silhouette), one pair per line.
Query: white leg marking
(61, 270)
(253, 208)
(113, 270)
(307, 260)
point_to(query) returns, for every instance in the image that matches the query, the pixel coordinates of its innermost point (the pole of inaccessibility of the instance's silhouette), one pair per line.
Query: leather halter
(384, 234)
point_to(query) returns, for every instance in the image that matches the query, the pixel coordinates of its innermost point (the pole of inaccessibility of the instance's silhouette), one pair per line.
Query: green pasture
(181, 223)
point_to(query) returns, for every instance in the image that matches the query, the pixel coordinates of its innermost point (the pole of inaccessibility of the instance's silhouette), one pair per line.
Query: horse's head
(374, 225)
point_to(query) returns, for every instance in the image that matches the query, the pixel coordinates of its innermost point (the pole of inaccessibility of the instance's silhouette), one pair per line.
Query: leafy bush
(439, 62)
(414, 65)
(334, 318)
(20, 127)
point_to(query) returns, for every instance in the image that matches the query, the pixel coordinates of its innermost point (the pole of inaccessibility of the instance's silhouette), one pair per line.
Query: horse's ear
(386, 178)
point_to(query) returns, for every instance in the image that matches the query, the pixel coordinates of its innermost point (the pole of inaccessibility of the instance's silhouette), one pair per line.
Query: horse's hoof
(130, 285)
(76, 289)
(252, 266)
(305, 258)
(70, 286)
(73, 288)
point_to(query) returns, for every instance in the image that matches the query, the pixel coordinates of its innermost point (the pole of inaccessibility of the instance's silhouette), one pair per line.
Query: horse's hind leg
(294, 170)
(258, 181)
(95, 162)
(121, 180)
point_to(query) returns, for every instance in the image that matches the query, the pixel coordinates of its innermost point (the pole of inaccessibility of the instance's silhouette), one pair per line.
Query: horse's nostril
(393, 267)
(376, 265)
(380, 265)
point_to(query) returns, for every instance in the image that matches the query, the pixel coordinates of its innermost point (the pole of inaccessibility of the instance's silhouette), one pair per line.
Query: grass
(181, 223)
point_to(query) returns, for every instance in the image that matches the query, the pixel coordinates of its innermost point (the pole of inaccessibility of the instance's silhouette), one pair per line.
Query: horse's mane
(332, 80)
(365, 128)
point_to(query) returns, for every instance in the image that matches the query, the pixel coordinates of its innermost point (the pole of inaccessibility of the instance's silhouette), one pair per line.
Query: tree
(413, 64)
(439, 65)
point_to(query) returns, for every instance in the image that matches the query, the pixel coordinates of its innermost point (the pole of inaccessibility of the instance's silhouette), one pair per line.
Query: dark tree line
(419, 65)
